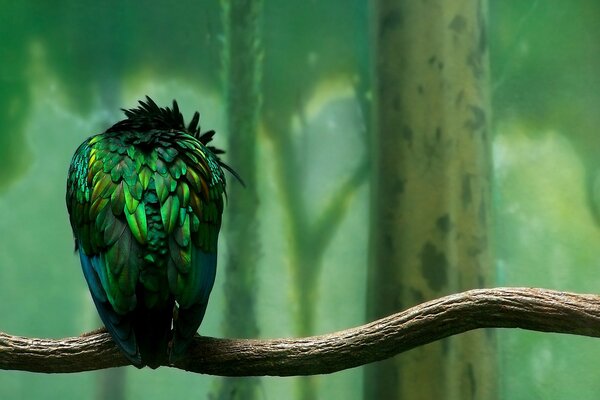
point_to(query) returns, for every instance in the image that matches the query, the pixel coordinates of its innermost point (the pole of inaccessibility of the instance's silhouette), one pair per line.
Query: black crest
(149, 116)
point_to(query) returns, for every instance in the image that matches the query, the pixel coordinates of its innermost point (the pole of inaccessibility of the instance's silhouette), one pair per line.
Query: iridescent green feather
(145, 200)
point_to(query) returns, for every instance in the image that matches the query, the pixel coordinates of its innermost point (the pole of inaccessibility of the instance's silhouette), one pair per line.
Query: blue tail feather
(190, 316)
(119, 326)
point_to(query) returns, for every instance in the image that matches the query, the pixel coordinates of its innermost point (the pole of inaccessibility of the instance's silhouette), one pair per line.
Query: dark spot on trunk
(390, 21)
(443, 224)
(474, 61)
(478, 119)
(458, 24)
(434, 267)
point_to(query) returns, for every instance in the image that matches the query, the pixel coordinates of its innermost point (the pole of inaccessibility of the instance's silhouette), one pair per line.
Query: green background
(67, 67)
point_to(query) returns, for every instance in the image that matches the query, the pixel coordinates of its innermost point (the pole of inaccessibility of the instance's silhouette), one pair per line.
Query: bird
(145, 200)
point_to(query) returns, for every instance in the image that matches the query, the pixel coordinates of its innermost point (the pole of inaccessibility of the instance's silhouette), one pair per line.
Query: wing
(103, 196)
(197, 201)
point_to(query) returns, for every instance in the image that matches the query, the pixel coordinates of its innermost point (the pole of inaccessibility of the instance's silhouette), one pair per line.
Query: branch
(533, 309)
(331, 217)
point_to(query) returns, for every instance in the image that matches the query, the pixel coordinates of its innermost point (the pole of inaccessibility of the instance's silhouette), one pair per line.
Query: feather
(117, 199)
(183, 192)
(169, 212)
(113, 230)
(194, 123)
(145, 175)
(138, 224)
(131, 202)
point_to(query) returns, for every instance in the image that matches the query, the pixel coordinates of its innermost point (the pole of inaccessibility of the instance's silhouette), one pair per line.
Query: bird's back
(145, 204)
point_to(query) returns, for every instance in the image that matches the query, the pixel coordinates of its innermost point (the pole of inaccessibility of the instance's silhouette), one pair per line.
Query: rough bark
(533, 309)
(430, 232)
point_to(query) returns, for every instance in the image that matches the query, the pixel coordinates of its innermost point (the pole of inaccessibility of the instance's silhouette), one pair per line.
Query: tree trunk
(242, 64)
(430, 230)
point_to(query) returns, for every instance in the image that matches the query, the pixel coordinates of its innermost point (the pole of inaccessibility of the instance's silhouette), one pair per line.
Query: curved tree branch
(534, 309)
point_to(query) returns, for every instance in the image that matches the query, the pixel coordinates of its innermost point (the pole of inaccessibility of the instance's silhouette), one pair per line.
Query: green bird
(145, 200)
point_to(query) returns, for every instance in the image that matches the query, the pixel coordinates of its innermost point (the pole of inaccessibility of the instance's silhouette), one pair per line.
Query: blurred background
(294, 90)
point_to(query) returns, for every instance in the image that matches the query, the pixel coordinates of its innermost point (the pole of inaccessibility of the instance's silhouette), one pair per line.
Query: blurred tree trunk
(430, 229)
(242, 59)
(111, 384)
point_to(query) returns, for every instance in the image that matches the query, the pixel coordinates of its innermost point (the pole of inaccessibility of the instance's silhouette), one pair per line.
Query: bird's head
(149, 116)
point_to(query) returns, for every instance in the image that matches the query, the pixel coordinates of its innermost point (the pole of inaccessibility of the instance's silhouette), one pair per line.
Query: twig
(533, 309)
